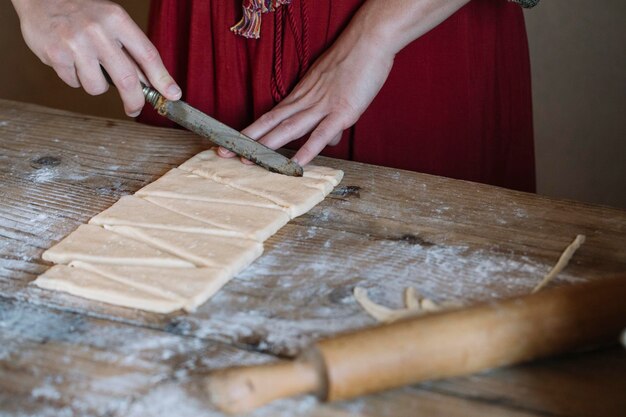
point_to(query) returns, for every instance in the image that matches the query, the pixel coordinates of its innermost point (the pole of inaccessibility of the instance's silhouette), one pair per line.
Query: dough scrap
(562, 262)
(177, 183)
(412, 298)
(283, 190)
(134, 211)
(92, 243)
(190, 286)
(258, 223)
(88, 284)
(232, 254)
(415, 305)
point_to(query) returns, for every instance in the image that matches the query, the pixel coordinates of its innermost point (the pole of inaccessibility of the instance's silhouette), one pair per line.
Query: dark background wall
(579, 91)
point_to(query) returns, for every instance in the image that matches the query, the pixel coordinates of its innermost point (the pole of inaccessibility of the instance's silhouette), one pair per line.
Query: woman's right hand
(75, 37)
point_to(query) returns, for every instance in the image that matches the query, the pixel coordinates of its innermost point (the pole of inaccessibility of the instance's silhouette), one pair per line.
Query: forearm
(393, 24)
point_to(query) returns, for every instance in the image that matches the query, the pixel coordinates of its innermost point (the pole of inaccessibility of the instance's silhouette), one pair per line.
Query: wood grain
(55, 362)
(382, 229)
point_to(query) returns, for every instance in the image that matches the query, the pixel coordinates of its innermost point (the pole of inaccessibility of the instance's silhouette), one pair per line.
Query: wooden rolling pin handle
(239, 390)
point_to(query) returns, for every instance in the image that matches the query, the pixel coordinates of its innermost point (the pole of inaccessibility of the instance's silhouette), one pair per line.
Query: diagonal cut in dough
(134, 211)
(191, 286)
(185, 185)
(298, 195)
(233, 254)
(92, 243)
(87, 284)
(256, 223)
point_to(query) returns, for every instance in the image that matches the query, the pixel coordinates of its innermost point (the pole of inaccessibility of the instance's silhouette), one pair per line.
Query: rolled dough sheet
(298, 195)
(88, 284)
(92, 243)
(191, 286)
(185, 185)
(256, 223)
(134, 211)
(180, 239)
(233, 254)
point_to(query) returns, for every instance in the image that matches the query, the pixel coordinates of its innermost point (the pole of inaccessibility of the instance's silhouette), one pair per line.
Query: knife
(218, 133)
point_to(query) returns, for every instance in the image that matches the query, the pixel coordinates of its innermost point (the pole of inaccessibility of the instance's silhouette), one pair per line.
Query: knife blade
(217, 132)
(221, 134)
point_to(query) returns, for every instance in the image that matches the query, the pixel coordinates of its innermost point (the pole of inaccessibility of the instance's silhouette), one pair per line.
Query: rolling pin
(439, 345)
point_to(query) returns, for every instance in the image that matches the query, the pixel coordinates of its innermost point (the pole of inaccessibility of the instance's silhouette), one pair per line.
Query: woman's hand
(75, 37)
(329, 99)
(343, 82)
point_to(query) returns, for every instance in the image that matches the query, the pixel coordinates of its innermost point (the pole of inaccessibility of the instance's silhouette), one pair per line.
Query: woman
(437, 86)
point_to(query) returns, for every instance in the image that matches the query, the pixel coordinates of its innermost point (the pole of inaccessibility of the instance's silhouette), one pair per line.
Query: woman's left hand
(330, 98)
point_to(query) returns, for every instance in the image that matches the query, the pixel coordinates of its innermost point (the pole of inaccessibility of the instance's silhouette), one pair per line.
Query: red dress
(457, 102)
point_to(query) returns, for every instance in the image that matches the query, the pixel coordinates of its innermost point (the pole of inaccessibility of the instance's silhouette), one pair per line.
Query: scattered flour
(46, 391)
(142, 372)
(43, 175)
(172, 399)
(257, 307)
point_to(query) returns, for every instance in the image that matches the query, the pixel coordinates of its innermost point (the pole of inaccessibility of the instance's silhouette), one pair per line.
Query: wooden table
(382, 229)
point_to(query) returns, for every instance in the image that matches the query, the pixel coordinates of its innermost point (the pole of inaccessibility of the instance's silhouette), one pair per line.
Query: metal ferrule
(152, 96)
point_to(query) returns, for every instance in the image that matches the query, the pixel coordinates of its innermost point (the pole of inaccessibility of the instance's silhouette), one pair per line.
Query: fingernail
(174, 90)
(135, 114)
(223, 152)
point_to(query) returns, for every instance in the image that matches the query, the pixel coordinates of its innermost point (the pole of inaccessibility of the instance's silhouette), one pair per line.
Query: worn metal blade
(221, 134)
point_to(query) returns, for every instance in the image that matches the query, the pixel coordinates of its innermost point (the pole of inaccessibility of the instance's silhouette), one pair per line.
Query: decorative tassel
(250, 24)
(526, 3)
